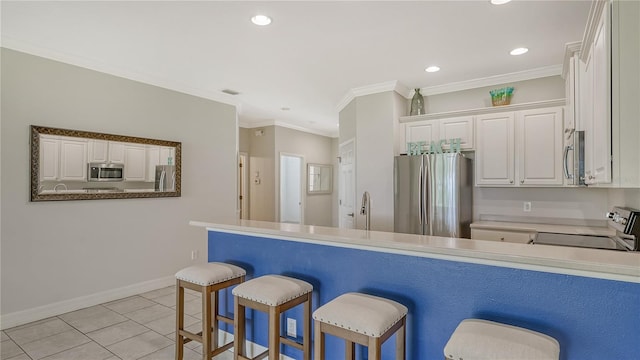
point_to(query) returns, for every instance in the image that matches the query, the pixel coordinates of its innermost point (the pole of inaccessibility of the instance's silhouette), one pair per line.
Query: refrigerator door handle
(420, 195)
(162, 176)
(566, 161)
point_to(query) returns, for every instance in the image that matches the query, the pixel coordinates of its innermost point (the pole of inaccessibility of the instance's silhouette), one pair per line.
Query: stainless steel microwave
(105, 172)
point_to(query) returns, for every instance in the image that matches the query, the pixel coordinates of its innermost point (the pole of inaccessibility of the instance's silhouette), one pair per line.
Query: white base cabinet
(521, 237)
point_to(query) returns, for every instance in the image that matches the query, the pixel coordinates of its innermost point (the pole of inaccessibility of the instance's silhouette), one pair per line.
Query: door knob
(350, 214)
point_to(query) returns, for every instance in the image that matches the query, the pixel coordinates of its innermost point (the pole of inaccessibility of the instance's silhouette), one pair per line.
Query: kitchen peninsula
(585, 298)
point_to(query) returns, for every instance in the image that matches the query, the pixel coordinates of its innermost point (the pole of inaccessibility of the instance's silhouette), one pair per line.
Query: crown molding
(537, 73)
(97, 65)
(595, 12)
(266, 123)
(351, 94)
(570, 49)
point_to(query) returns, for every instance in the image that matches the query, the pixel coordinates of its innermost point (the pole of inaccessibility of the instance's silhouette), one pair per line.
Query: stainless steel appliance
(433, 195)
(576, 177)
(165, 178)
(105, 172)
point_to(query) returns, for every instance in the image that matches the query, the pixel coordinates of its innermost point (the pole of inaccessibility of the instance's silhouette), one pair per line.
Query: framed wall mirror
(319, 179)
(82, 165)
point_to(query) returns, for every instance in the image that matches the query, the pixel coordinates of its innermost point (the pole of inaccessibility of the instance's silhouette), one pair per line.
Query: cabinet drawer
(502, 235)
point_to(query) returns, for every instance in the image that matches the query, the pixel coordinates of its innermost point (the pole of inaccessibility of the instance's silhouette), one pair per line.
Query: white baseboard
(42, 312)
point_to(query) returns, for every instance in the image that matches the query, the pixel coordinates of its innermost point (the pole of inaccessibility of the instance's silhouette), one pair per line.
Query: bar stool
(208, 279)
(363, 319)
(481, 339)
(272, 294)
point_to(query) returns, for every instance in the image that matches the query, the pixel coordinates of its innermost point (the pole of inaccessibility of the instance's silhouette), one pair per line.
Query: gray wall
(315, 149)
(262, 196)
(55, 252)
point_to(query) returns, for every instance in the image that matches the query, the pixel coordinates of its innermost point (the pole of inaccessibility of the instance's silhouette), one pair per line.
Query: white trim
(537, 73)
(570, 49)
(597, 7)
(488, 110)
(266, 123)
(97, 65)
(373, 89)
(42, 312)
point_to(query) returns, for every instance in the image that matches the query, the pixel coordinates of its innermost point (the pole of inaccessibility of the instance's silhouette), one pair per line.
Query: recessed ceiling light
(261, 20)
(499, 2)
(519, 51)
(432, 69)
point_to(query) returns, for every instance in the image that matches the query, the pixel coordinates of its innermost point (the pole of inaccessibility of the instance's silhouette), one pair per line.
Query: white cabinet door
(49, 158)
(134, 163)
(600, 162)
(522, 237)
(421, 131)
(540, 138)
(167, 155)
(495, 149)
(98, 151)
(458, 127)
(116, 152)
(153, 159)
(73, 160)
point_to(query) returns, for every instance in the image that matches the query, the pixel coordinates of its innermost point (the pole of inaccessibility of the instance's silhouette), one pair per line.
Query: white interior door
(347, 185)
(243, 186)
(291, 187)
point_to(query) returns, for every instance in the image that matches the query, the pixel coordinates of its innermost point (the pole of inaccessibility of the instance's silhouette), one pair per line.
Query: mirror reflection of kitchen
(70, 165)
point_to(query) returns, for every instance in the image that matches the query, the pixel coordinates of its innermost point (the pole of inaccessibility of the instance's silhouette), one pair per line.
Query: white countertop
(546, 228)
(596, 263)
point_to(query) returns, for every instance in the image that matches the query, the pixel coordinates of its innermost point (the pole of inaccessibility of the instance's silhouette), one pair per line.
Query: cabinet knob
(510, 181)
(501, 239)
(521, 181)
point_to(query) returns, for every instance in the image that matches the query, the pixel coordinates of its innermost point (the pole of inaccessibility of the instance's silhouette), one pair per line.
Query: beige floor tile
(88, 351)
(113, 358)
(22, 356)
(150, 313)
(39, 330)
(3, 336)
(118, 332)
(169, 353)
(159, 292)
(92, 318)
(54, 344)
(167, 325)
(193, 307)
(170, 300)
(129, 304)
(9, 349)
(139, 346)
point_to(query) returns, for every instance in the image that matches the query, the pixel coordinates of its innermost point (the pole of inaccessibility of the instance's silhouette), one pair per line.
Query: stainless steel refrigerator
(165, 178)
(433, 195)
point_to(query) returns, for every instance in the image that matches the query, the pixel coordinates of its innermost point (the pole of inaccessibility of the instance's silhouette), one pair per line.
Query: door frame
(303, 184)
(341, 212)
(243, 184)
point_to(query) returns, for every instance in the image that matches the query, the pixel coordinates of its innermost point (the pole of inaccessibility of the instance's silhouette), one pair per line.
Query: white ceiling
(308, 59)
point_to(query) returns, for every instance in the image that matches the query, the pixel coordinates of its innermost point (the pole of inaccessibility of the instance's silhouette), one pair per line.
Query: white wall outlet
(527, 206)
(291, 327)
(194, 254)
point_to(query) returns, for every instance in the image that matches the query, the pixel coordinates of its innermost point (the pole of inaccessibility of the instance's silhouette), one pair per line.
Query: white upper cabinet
(135, 163)
(441, 129)
(73, 160)
(98, 151)
(521, 148)
(540, 145)
(49, 158)
(116, 152)
(158, 155)
(495, 149)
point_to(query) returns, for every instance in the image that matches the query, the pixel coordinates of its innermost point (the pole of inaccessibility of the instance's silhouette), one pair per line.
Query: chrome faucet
(366, 210)
(55, 188)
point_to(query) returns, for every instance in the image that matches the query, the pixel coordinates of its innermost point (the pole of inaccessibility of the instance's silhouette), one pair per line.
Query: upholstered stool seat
(208, 279)
(476, 339)
(273, 294)
(363, 319)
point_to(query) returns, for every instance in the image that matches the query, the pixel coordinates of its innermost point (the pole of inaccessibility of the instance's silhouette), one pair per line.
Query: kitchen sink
(586, 241)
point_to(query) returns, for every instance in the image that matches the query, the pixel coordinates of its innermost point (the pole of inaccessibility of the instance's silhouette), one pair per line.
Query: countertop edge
(306, 234)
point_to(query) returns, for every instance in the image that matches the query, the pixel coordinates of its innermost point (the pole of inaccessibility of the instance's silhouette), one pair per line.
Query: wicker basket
(500, 97)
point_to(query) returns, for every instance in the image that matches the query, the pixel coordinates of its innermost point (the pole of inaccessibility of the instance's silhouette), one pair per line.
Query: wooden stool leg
(206, 322)
(179, 320)
(274, 333)
(306, 339)
(214, 314)
(319, 342)
(401, 341)
(238, 328)
(349, 350)
(375, 348)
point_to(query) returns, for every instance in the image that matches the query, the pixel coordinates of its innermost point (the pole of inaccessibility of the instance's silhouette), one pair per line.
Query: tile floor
(137, 327)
